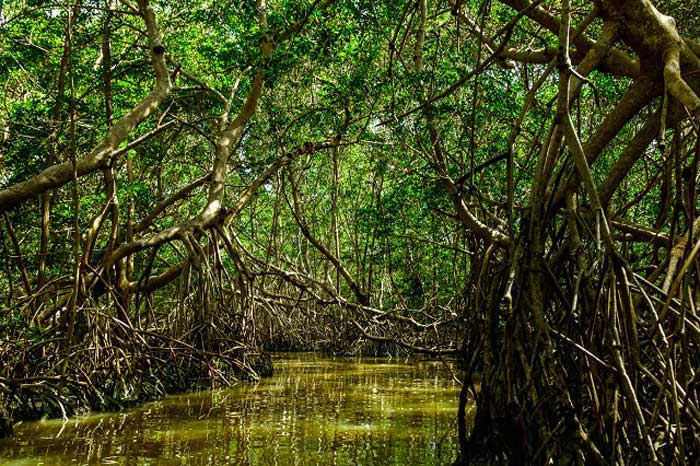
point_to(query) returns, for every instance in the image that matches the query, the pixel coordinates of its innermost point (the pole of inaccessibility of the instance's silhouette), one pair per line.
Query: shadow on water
(314, 410)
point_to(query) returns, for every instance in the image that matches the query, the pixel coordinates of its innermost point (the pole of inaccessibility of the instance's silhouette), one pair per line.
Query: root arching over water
(111, 363)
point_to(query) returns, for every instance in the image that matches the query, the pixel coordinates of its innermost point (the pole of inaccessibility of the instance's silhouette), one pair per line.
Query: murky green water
(313, 411)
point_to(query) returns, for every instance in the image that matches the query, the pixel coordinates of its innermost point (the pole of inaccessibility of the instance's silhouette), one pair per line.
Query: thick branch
(204, 220)
(615, 62)
(101, 155)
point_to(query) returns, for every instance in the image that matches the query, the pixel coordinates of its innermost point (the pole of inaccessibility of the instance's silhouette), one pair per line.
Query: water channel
(315, 410)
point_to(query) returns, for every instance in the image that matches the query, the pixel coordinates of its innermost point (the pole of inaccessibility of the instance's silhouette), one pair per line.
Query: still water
(314, 411)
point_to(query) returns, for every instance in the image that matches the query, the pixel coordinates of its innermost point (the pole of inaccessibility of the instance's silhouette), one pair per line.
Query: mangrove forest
(481, 216)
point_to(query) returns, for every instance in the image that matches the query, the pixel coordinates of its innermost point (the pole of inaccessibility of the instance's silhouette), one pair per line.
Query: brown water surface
(315, 410)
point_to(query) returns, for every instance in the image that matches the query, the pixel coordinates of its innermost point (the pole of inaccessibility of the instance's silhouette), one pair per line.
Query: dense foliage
(186, 185)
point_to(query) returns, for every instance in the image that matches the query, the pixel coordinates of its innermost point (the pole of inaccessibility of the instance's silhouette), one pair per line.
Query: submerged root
(112, 364)
(607, 380)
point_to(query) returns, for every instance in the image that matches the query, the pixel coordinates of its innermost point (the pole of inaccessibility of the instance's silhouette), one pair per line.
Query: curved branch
(615, 62)
(101, 155)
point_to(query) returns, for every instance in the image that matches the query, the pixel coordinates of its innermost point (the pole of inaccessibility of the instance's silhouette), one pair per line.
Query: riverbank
(314, 410)
(132, 371)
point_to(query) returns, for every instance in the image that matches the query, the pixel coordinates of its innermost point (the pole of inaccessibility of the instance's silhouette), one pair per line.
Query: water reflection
(326, 411)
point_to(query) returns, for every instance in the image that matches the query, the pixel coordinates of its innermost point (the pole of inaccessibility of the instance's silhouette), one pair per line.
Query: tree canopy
(186, 185)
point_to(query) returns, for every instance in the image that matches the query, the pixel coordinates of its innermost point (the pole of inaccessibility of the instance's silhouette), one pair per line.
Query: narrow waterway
(314, 411)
